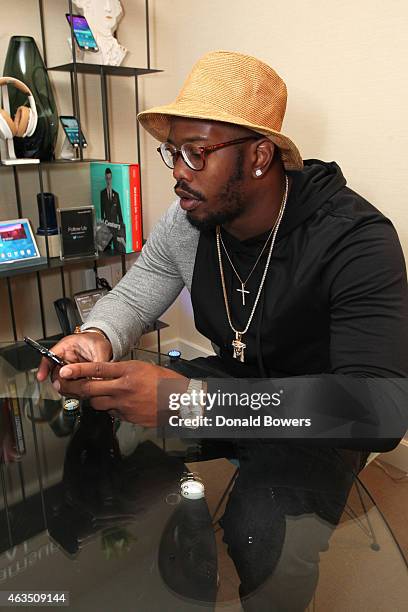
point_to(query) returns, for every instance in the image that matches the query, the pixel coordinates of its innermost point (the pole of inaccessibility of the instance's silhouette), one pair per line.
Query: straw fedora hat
(233, 88)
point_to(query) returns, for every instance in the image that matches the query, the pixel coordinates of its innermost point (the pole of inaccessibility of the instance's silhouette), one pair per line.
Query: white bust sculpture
(103, 17)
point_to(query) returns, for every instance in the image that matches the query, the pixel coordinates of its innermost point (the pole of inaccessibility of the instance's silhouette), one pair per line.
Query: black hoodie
(335, 296)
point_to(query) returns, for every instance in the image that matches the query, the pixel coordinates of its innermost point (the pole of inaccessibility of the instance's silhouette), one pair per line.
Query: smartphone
(82, 32)
(71, 129)
(44, 351)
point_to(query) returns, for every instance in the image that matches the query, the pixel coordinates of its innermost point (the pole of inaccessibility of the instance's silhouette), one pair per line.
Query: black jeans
(286, 502)
(280, 515)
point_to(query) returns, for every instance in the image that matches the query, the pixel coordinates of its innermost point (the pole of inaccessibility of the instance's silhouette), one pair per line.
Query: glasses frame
(204, 151)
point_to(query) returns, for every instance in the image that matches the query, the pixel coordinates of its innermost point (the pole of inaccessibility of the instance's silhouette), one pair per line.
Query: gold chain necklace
(243, 291)
(237, 343)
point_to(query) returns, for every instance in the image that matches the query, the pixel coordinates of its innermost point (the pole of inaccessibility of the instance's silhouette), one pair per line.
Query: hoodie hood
(311, 187)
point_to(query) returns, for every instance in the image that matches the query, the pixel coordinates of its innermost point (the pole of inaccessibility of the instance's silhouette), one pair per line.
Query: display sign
(77, 232)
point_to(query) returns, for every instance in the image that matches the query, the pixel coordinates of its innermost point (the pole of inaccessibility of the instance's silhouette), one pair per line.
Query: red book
(135, 207)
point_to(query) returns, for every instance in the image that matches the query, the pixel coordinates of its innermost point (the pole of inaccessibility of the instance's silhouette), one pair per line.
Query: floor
(353, 577)
(389, 488)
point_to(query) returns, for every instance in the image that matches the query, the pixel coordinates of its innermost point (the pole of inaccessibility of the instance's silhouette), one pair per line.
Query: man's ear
(264, 153)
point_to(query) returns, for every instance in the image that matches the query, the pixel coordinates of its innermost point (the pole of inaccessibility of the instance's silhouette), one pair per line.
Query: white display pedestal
(7, 152)
(68, 151)
(8, 155)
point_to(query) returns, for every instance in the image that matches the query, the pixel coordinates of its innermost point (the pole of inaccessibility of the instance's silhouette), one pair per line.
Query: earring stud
(258, 172)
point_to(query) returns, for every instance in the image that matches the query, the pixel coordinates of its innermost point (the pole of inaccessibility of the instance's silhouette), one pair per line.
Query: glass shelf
(85, 160)
(22, 162)
(30, 164)
(100, 69)
(55, 263)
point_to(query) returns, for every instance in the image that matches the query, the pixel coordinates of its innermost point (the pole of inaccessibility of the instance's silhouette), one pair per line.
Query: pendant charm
(243, 291)
(238, 347)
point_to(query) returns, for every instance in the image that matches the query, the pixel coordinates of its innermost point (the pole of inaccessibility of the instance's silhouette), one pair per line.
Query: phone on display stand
(82, 33)
(71, 129)
(44, 351)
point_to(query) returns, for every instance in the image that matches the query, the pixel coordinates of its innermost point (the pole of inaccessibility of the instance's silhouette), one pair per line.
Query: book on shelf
(115, 193)
(136, 204)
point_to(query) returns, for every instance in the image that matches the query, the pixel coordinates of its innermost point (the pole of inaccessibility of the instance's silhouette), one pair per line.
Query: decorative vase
(24, 62)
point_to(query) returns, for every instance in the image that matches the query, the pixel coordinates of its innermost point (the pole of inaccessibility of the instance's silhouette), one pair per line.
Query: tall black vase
(24, 62)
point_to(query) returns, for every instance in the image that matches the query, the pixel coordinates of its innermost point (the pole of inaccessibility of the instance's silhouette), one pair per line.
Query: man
(111, 213)
(291, 273)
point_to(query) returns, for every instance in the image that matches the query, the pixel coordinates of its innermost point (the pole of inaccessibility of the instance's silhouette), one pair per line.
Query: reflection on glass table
(94, 508)
(94, 502)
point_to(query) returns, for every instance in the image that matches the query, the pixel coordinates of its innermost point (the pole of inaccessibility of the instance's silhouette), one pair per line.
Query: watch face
(192, 487)
(71, 404)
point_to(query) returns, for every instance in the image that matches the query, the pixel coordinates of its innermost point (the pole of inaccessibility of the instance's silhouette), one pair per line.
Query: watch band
(93, 330)
(196, 407)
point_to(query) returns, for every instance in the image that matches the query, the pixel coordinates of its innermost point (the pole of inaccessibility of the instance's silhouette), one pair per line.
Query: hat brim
(156, 121)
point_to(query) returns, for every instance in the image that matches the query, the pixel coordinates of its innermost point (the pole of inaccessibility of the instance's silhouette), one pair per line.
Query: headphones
(25, 120)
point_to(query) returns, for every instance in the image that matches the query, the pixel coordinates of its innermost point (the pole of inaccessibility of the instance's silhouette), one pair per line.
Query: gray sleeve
(144, 293)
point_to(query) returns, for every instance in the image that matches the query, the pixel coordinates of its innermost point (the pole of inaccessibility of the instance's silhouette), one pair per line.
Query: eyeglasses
(194, 155)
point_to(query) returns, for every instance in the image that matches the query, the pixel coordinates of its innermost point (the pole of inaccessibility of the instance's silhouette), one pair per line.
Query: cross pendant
(238, 347)
(243, 291)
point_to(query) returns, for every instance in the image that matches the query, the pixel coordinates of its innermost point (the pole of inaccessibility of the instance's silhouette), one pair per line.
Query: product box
(115, 193)
(136, 207)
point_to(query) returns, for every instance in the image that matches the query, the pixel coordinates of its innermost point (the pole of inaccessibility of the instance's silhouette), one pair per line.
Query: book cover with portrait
(115, 192)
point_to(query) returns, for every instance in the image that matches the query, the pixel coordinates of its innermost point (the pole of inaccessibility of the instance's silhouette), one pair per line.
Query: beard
(230, 201)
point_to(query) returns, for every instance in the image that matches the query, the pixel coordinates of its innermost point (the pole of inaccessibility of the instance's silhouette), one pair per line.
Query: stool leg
(374, 544)
(224, 495)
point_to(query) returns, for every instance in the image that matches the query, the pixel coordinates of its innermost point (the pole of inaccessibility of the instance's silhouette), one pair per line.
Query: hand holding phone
(44, 351)
(77, 348)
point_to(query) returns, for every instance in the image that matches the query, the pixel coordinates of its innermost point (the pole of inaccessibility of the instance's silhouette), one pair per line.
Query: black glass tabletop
(91, 510)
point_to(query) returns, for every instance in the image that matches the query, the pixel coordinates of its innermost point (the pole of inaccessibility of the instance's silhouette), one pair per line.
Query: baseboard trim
(189, 350)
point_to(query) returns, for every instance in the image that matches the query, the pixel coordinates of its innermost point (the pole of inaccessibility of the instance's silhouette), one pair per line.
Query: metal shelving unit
(74, 68)
(84, 68)
(54, 263)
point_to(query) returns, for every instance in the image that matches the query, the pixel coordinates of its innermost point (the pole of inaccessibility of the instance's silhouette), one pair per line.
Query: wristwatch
(94, 330)
(196, 406)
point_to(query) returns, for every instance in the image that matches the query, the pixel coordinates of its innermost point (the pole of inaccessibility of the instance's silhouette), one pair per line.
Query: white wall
(344, 62)
(345, 65)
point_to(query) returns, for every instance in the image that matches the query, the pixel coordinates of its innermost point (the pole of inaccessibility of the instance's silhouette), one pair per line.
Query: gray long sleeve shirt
(163, 268)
